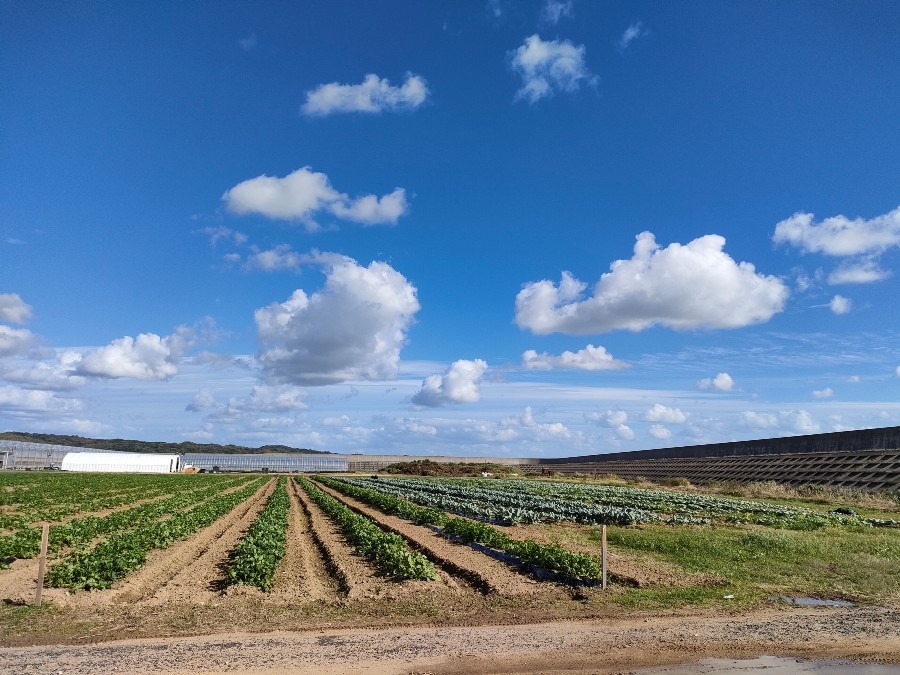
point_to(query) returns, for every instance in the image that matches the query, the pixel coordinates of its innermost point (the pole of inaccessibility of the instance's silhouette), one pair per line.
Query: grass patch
(829, 563)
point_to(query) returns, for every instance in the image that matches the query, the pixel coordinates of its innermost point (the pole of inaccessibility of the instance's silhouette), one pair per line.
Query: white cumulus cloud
(589, 358)
(373, 95)
(828, 392)
(15, 341)
(548, 67)
(13, 309)
(665, 414)
(54, 375)
(660, 432)
(353, 328)
(459, 384)
(840, 305)
(865, 271)
(696, 285)
(145, 357)
(303, 194)
(614, 419)
(15, 399)
(839, 235)
(721, 382)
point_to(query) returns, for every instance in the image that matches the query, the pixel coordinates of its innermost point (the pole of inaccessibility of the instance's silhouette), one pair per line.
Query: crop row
(720, 509)
(79, 532)
(513, 501)
(484, 503)
(258, 554)
(569, 564)
(124, 552)
(56, 496)
(388, 551)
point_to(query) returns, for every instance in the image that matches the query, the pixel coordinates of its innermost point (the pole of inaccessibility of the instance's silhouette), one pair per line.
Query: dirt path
(488, 574)
(303, 573)
(613, 646)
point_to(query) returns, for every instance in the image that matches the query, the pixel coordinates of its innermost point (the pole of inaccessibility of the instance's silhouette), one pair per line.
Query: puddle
(812, 602)
(773, 665)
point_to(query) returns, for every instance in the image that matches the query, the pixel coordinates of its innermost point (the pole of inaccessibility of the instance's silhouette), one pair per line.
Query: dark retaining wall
(887, 438)
(868, 458)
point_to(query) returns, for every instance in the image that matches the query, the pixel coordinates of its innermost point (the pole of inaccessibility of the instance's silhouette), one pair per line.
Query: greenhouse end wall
(121, 462)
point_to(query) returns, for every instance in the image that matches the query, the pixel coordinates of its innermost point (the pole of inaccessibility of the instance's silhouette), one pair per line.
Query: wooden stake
(42, 563)
(603, 554)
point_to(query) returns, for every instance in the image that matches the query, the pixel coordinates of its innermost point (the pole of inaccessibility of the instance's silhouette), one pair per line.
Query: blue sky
(482, 228)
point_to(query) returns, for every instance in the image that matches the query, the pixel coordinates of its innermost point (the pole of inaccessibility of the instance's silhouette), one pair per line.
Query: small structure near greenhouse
(121, 462)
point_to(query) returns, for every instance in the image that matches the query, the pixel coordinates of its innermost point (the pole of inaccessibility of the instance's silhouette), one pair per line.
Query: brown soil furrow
(202, 578)
(358, 578)
(485, 572)
(303, 573)
(355, 577)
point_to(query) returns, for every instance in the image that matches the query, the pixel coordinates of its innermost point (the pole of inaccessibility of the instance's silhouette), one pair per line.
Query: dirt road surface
(869, 635)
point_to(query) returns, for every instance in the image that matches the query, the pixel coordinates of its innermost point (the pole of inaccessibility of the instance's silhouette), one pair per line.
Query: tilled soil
(613, 646)
(194, 570)
(18, 583)
(488, 574)
(357, 578)
(303, 573)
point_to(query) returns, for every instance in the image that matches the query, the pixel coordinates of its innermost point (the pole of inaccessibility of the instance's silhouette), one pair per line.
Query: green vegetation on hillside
(155, 447)
(426, 467)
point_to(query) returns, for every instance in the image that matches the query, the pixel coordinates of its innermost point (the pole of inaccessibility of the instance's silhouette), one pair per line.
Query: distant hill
(156, 447)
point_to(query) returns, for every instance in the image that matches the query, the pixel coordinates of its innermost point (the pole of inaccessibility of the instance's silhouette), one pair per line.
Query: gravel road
(863, 634)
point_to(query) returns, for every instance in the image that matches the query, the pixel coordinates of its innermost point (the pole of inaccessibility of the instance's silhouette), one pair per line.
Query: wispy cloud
(555, 10)
(632, 33)
(550, 66)
(374, 95)
(248, 43)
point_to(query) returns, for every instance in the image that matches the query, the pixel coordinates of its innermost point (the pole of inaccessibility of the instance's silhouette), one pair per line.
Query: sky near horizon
(478, 228)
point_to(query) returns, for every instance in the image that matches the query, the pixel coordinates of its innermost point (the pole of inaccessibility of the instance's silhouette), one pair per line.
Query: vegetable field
(153, 541)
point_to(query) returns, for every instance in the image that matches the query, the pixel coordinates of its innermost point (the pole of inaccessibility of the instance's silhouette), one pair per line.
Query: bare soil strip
(358, 578)
(303, 573)
(485, 572)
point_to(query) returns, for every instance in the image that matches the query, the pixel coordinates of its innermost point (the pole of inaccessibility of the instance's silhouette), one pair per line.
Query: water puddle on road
(812, 602)
(773, 665)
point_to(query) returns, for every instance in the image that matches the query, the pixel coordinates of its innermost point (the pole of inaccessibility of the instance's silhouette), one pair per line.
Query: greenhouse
(27, 455)
(121, 462)
(278, 463)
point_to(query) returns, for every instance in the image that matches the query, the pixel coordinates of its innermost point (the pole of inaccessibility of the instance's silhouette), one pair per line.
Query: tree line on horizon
(153, 447)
